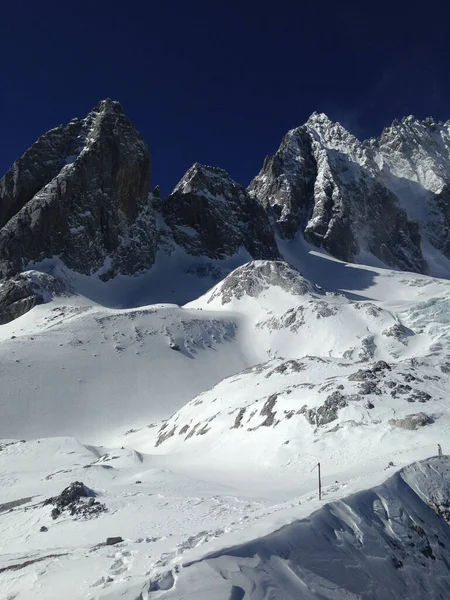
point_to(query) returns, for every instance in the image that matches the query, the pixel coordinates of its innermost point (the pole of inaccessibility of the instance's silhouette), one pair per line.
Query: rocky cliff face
(384, 196)
(38, 166)
(413, 157)
(80, 193)
(25, 291)
(209, 214)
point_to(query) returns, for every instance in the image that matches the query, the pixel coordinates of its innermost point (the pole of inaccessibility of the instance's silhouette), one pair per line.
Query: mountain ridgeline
(80, 198)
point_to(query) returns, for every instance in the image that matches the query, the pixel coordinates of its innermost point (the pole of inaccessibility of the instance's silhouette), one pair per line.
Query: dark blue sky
(219, 82)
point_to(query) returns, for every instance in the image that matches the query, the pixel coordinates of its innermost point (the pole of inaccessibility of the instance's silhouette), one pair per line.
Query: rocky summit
(211, 215)
(79, 200)
(80, 193)
(353, 197)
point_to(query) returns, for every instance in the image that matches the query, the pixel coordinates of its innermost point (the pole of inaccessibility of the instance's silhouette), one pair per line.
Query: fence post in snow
(439, 450)
(320, 480)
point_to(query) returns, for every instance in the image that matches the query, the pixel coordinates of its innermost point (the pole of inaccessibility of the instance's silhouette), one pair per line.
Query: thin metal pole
(320, 483)
(320, 480)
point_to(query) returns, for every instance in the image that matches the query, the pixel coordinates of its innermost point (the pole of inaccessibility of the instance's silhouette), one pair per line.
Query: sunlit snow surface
(192, 426)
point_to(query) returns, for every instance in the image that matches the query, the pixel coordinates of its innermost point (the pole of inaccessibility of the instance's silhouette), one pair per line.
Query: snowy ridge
(394, 539)
(289, 316)
(339, 370)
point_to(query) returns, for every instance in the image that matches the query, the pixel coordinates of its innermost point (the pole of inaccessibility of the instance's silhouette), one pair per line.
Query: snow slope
(198, 428)
(78, 369)
(347, 383)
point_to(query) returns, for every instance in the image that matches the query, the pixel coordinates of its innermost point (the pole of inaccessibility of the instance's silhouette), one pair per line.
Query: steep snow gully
(174, 369)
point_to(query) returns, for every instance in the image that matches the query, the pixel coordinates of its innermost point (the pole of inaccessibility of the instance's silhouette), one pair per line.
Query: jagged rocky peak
(211, 215)
(256, 277)
(109, 105)
(328, 185)
(80, 193)
(298, 173)
(332, 133)
(46, 157)
(411, 125)
(413, 156)
(413, 129)
(319, 118)
(416, 150)
(285, 184)
(205, 179)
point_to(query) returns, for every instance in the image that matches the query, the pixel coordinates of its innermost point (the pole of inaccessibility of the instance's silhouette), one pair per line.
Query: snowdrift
(384, 543)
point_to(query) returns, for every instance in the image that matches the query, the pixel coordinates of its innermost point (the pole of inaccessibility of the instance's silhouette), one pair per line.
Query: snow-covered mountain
(80, 197)
(325, 369)
(384, 197)
(174, 369)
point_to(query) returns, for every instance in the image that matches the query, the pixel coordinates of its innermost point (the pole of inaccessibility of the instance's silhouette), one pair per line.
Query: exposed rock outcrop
(253, 278)
(412, 422)
(326, 413)
(77, 500)
(26, 290)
